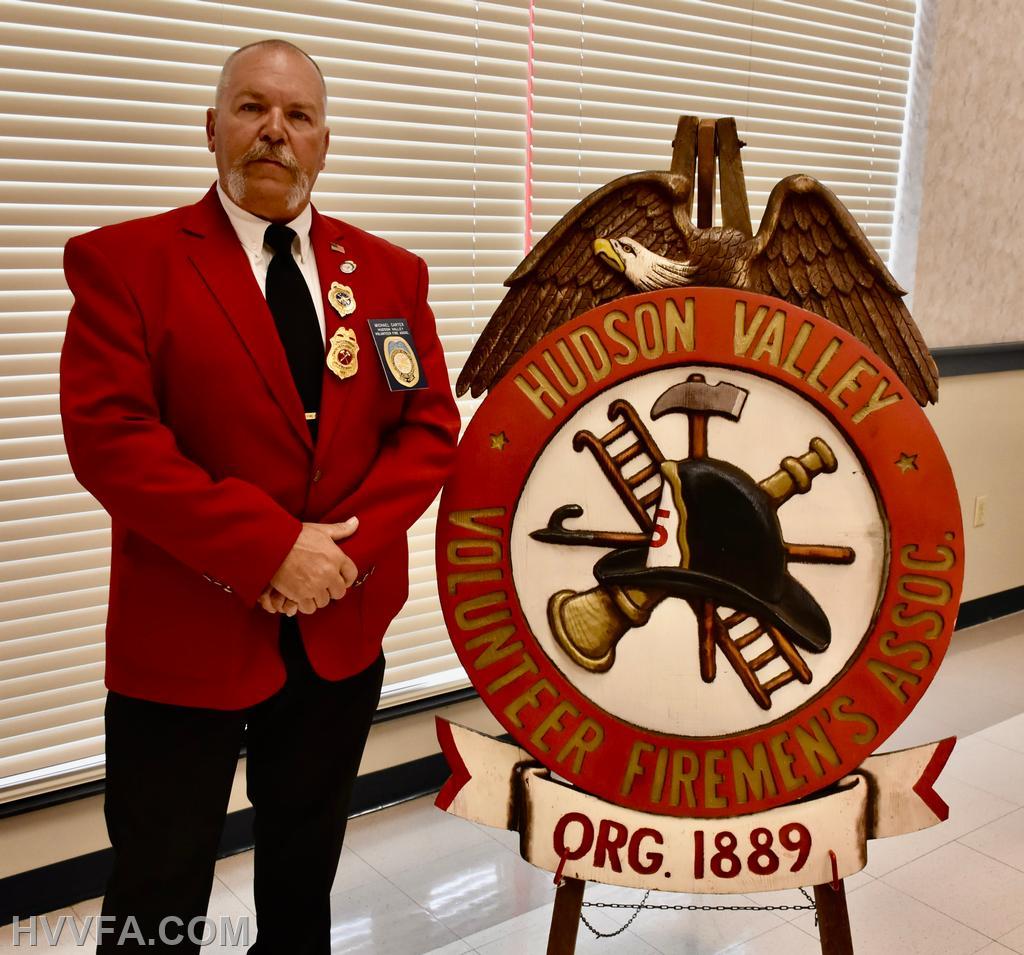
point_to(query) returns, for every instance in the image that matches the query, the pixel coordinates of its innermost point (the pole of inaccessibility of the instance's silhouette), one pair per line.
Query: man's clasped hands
(315, 572)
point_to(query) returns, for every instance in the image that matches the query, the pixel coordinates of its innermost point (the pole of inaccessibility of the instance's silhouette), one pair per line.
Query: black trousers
(169, 774)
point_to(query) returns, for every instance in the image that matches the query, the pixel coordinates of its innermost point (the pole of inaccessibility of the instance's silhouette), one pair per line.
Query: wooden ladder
(747, 668)
(642, 449)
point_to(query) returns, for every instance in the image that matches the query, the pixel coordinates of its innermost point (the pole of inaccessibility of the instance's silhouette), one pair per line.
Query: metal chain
(638, 907)
(616, 905)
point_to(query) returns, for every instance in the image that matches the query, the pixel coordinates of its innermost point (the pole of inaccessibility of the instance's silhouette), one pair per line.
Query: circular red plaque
(702, 552)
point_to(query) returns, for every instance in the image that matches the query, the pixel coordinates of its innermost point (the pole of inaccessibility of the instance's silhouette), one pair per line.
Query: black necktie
(297, 324)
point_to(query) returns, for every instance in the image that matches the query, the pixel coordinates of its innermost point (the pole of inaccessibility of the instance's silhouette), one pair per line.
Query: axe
(698, 401)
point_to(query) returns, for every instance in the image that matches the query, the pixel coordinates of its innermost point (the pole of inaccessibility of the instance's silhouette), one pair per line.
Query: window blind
(101, 119)
(461, 129)
(816, 87)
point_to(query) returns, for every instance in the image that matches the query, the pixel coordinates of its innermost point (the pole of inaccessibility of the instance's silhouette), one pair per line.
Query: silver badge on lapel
(342, 300)
(348, 266)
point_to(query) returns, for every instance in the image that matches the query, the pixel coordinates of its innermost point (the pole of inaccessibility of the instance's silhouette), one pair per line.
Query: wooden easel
(700, 143)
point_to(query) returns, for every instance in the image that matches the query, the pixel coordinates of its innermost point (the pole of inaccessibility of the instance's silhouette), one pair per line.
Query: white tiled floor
(414, 881)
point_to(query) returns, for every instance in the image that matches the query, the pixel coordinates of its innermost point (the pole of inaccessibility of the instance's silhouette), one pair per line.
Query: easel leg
(565, 920)
(833, 919)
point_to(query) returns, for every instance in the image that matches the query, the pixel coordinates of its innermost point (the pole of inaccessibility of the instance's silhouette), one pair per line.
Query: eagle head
(644, 268)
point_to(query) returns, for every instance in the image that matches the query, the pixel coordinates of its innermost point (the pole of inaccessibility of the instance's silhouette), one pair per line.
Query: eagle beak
(604, 250)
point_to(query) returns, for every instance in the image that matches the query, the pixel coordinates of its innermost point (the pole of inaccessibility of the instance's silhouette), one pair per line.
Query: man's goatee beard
(237, 183)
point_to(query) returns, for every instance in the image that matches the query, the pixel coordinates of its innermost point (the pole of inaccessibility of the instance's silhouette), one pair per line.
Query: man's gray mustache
(275, 154)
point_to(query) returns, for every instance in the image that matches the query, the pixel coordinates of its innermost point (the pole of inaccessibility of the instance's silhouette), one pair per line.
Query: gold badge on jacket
(342, 299)
(401, 360)
(343, 357)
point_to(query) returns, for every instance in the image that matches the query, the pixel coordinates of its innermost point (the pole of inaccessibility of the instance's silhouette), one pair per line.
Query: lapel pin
(348, 266)
(342, 300)
(337, 247)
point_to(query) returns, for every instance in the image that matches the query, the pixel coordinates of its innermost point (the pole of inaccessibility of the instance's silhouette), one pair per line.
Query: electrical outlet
(980, 509)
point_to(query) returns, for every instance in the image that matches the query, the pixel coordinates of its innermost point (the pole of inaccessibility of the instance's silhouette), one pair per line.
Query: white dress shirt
(250, 230)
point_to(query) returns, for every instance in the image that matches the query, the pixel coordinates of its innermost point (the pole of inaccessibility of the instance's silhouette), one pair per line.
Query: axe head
(696, 395)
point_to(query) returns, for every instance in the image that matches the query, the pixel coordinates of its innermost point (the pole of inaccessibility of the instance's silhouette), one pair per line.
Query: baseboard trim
(64, 883)
(54, 886)
(973, 612)
(979, 359)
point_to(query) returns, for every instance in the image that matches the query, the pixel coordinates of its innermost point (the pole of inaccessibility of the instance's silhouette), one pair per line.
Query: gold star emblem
(498, 441)
(907, 462)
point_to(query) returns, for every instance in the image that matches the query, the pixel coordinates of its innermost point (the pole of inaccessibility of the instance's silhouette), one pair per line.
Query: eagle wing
(810, 251)
(562, 278)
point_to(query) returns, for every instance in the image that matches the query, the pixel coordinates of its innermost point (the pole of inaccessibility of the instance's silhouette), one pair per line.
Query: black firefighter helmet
(733, 553)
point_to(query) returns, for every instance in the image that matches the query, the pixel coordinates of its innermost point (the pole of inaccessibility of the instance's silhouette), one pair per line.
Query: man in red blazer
(241, 490)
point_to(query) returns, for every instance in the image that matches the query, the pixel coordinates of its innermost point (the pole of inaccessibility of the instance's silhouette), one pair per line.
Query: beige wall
(968, 284)
(969, 281)
(978, 421)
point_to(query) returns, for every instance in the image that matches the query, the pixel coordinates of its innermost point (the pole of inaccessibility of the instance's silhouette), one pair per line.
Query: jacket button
(317, 474)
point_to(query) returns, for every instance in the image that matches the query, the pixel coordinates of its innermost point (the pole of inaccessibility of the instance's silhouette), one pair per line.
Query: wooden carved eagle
(636, 234)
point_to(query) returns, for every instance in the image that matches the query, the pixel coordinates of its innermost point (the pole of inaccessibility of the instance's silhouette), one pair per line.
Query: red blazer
(181, 417)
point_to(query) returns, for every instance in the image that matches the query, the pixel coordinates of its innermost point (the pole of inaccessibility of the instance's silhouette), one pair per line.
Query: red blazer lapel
(221, 262)
(329, 248)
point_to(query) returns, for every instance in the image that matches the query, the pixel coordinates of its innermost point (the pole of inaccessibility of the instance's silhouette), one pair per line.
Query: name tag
(397, 353)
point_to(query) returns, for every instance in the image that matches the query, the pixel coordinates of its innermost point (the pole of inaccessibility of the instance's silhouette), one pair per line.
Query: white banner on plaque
(564, 830)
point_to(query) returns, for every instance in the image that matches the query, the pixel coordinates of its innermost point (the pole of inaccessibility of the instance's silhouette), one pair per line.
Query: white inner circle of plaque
(655, 681)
